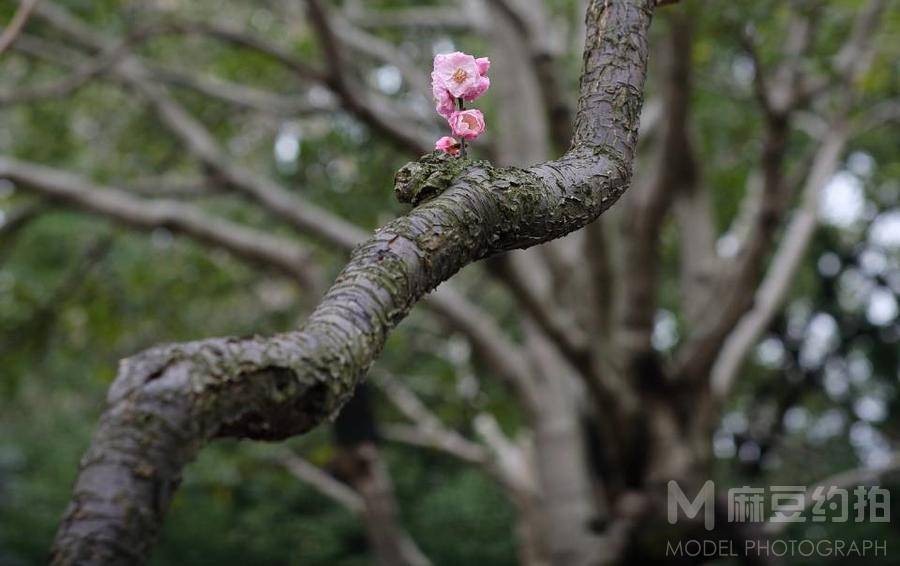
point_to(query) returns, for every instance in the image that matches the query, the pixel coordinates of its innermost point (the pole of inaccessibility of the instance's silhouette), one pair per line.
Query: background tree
(571, 379)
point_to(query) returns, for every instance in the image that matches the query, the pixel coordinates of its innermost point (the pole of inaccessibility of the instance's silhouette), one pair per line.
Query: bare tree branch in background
(256, 246)
(17, 24)
(372, 501)
(444, 18)
(772, 292)
(737, 285)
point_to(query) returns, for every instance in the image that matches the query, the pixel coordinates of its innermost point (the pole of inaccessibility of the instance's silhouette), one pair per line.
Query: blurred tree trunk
(359, 463)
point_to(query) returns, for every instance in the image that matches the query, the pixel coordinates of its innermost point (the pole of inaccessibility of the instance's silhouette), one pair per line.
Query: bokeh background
(817, 396)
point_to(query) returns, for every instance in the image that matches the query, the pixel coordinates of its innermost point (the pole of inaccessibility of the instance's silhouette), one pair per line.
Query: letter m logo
(705, 499)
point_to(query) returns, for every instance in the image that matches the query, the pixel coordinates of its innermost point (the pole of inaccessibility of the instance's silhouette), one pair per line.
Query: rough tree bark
(168, 402)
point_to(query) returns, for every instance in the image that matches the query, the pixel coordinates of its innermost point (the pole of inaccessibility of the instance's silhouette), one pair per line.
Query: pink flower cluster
(458, 78)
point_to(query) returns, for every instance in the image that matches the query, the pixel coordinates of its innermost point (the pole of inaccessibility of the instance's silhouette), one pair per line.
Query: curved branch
(502, 355)
(168, 402)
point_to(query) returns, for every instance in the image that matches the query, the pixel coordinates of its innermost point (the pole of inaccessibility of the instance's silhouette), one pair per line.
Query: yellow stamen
(459, 76)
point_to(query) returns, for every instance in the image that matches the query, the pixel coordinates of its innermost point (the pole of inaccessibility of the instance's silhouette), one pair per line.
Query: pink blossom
(483, 65)
(447, 145)
(467, 124)
(482, 85)
(461, 75)
(445, 104)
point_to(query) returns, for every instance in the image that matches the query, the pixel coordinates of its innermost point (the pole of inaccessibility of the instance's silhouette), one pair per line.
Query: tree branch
(168, 402)
(537, 33)
(371, 499)
(16, 24)
(489, 341)
(429, 430)
(339, 81)
(780, 276)
(255, 246)
(739, 281)
(649, 204)
(321, 481)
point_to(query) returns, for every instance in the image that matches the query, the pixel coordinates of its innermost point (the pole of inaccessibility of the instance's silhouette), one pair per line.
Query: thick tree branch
(490, 342)
(168, 402)
(488, 339)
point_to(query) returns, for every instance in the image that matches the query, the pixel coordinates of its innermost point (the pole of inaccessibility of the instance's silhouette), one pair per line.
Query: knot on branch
(432, 174)
(244, 388)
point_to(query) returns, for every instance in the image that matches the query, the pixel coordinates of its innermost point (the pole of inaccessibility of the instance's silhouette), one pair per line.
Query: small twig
(19, 19)
(462, 141)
